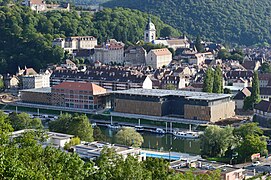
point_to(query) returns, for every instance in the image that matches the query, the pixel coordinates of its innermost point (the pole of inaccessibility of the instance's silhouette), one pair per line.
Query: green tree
(208, 81)
(251, 141)
(266, 67)
(73, 142)
(198, 44)
(216, 141)
(77, 125)
(159, 168)
(98, 135)
(23, 121)
(166, 32)
(170, 87)
(255, 93)
(129, 137)
(248, 103)
(218, 81)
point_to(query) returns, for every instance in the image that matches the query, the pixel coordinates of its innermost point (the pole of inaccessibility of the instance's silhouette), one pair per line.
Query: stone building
(110, 52)
(158, 58)
(135, 55)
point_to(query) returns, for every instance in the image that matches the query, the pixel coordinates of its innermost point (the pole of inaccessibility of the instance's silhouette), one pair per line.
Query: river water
(161, 142)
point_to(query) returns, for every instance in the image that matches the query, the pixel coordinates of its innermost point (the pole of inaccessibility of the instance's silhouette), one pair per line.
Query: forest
(26, 36)
(243, 22)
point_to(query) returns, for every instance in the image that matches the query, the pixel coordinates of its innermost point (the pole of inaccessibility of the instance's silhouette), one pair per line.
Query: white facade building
(75, 43)
(157, 58)
(36, 81)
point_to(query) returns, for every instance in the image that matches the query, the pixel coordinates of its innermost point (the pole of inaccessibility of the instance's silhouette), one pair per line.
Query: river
(161, 142)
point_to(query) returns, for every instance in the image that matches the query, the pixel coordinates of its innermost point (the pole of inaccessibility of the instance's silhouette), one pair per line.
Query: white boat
(188, 134)
(160, 131)
(139, 128)
(113, 126)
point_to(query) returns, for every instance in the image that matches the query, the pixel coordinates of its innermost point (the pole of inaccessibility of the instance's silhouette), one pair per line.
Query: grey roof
(163, 93)
(38, 90)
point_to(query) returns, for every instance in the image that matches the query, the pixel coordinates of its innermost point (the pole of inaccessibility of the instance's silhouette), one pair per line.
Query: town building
(57, 140)
(41, 6)
(75, 43)
(77, 95)
(262, 113)
(150, 32)
(158, 58)
(36, 96)
(92, 150)
(240, 97)
(36, 81)
(204, 167)
(11, 81)
(135, 56)
(173, 43)
(108, 77)
(185, 104)
(110, 52)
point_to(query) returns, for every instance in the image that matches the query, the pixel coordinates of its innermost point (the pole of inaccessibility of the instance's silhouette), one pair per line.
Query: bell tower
(150, 32)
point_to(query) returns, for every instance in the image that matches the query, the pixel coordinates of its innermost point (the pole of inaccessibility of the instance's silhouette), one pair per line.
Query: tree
(98, 135)
(216, 141)
(166, 32)
(129, 137)
(23, 121)
(199, 45)
(248, 103)
(218, 81)
(159, 168)
(255, 94)
(170, 87)
(73, 142)
(77, 125)
(266, 67)
(5, 128)
(208, 81)
(251, 141)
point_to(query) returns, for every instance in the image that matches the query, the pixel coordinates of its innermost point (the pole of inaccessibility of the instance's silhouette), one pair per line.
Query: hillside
(26, 36)
(233, 21)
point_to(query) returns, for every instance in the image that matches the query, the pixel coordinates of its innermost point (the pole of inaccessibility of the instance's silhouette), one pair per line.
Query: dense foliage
(24, 157)
(77, 125)
(26, 36)
(129, 136)
(244, 140)
(244, 21)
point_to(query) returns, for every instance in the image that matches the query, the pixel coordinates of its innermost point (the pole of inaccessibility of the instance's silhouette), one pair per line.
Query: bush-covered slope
(25, 36)
(235, 21)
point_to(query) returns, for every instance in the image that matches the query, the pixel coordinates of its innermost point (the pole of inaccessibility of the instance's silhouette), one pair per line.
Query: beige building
(173, 43)
(111, 52)
(157, 58)
(36, 81)
(75, 43)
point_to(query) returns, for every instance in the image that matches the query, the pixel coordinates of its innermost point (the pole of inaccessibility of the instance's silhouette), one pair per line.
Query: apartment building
(110, 52)
(36, 81)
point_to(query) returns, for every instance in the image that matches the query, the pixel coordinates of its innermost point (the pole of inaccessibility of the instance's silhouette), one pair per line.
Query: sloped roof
(81, 86)
(264, 106)
(161, 52)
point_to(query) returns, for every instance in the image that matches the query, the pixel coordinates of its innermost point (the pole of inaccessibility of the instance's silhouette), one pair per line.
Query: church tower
(150, 32)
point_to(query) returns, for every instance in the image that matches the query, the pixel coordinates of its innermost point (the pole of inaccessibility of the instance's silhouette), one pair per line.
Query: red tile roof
(161, 52)
(81, 86)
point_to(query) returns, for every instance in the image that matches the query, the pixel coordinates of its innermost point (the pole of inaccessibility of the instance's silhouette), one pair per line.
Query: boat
(160, 131)
(188, 134)
(139, 128)
(113, 126)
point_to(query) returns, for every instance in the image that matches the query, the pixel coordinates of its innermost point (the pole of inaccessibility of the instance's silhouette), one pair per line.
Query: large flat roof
(38, 90)
(163, 93)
